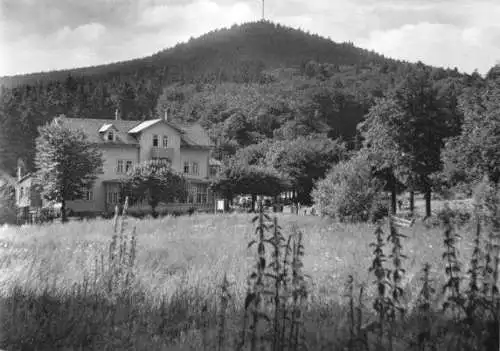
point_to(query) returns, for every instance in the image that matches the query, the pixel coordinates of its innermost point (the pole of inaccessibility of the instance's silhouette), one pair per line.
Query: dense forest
(245, 84)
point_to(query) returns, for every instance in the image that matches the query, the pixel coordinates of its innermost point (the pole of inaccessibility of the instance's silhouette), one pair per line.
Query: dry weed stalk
(396, 277)
(454, 301)
(380, 304)
(225, 297)
(424, 302)
(276, 290)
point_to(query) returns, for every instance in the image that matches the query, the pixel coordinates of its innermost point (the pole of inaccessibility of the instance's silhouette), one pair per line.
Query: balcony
(160, 152)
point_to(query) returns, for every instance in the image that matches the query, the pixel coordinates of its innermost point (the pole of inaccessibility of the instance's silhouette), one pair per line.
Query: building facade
(125, 143)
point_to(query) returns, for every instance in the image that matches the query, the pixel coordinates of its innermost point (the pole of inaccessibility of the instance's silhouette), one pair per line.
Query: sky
(42, 35)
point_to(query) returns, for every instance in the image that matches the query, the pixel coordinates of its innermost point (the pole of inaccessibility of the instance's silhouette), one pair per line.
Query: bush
(380, 209)
(486, 198)
(349, 192)
(107, 215)
(7, 205)
(139, 213)
(458, 216)
(47, 215)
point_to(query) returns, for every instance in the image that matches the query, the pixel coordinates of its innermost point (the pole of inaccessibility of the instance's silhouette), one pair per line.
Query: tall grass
(236, 282)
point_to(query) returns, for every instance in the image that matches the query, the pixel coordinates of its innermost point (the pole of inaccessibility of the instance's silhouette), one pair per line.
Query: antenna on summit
(263, 10)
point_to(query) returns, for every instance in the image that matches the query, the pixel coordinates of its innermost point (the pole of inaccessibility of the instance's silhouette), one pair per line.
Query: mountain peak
(248, 48)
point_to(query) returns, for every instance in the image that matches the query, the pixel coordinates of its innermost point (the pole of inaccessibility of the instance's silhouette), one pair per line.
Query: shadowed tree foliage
(67, 164)
(304, 161)
(238, 179)
(475, 152)
(7, 204)
(380, 144)
(268, 80)
(407, 129)
(349, 191)
(154, 183)
(253, 155)
(429, 120)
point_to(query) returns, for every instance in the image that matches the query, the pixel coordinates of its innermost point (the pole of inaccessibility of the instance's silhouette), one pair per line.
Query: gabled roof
(91, 128)
(149, 123)
(106, 127)
(194, 135)
(140, 127)
(24, 177)
(191, 135)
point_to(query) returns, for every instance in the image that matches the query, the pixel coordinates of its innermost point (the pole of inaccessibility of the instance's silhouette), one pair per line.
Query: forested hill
(237, 54)
(245, 84)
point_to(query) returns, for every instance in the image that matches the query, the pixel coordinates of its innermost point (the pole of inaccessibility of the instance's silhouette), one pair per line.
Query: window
(113, 196)
(165, 141)
(191, 168)
(155, 140)
(128, 166)
(21, 194)
(195, 168)
(88, 195)
(197, 193)
(202, 193)
(119, 166)
(191, 193)
(111, 136)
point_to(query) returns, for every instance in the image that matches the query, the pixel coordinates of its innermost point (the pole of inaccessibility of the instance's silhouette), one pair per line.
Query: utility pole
(263, 10)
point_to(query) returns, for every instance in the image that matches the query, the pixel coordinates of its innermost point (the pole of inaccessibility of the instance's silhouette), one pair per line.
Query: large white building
(124, 143)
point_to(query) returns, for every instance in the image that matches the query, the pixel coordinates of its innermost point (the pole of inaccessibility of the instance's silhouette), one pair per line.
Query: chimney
(117, 115)
(20, 169)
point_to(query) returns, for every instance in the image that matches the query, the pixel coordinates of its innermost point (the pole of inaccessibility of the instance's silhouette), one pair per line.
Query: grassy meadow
(55, 293)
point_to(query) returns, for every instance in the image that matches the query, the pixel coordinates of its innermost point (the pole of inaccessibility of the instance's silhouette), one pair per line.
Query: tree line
(409, 120)
(427, 133)
(279, 80)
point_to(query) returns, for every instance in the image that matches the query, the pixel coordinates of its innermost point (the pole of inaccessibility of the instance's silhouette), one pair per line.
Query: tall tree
(380, 142)
(423, 131)
(66, 163)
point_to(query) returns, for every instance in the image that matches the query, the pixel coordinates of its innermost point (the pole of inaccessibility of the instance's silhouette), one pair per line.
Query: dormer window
(107, 130)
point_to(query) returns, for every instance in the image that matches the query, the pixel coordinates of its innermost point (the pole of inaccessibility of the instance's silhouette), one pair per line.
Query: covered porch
(199, 196)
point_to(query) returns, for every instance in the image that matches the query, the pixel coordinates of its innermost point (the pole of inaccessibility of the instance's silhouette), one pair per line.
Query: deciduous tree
(66, 162)
(238, 179)
(476, 151)
(428, 122)
(304, 161)
(154, 182)
(382, 148)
